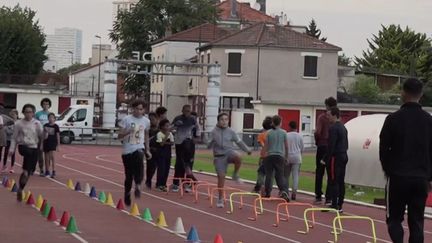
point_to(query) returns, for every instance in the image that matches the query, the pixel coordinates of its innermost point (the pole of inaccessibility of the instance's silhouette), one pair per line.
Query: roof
(86, 68)
(202, 33)
(244, 12)
(270, 35)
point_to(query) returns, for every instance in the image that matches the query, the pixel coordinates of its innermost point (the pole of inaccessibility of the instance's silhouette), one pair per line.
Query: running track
(101, 167)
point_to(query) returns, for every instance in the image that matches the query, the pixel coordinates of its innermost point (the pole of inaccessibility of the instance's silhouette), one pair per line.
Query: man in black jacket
(336, 158)
(405, 154)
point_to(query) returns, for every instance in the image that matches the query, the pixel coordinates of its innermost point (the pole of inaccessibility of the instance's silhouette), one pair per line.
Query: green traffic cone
(146, 215)
(102, 197)
(46, 210)
(72, 227)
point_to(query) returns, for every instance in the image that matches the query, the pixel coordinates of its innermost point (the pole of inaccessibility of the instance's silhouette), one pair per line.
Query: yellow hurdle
(340, 218)
(313, 210)
(241, 194)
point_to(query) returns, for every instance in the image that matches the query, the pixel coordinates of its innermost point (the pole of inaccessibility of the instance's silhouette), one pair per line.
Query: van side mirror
(71, 119)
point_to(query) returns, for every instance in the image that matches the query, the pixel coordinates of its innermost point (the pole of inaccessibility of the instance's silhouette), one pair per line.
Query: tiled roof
(270, 35)
(244, 13)
(202, 33)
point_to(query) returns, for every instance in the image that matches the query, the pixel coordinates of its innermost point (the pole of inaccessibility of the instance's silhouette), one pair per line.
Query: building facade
(64, 48)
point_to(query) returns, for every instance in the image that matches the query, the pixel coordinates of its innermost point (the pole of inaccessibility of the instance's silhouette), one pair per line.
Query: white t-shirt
(161, 136)
(135, 140)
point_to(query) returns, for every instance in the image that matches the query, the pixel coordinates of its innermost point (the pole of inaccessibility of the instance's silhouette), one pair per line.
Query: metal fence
(108, 136)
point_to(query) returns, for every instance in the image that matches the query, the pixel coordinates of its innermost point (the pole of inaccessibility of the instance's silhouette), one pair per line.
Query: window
(226, 103)
(208, 57)
(310, 66)
(78, 116)
(234, 63)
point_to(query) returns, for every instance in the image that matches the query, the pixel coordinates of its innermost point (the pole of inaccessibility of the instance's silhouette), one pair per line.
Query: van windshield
(65, 113)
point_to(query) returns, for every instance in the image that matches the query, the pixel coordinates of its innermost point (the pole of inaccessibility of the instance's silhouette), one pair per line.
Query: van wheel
(66, 137)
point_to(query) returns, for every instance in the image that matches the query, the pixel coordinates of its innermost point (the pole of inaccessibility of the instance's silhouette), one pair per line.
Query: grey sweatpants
(293, 167)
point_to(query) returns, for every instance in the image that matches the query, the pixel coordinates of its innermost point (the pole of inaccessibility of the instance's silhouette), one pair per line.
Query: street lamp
(100, 47)
(71, 52)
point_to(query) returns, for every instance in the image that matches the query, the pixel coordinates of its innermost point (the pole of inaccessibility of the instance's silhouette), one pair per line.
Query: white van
(76, 123)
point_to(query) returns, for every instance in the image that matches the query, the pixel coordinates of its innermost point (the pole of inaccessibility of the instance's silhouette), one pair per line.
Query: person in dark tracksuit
(321, 140)
(405, 155)
(336, 159)
(184, 145)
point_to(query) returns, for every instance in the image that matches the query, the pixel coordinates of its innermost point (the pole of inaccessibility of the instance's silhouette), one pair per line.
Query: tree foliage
(366, 90)
(312, 30)
(344, 60)
(150, 20)
(22, 42)
(398, 51)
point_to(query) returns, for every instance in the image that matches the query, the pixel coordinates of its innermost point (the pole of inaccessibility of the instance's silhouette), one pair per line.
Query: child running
(267, 125)
(165, 140)
(134, 133)
(28, 135)
(51, 144)
(9, 132)
(222, 141)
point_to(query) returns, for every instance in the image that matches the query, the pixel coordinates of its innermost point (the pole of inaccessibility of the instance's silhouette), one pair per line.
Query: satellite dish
(257, 6)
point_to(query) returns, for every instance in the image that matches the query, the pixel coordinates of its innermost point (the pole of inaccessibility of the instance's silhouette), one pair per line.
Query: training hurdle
(193, 185)
(340, 218)
(286, 204)
(224, 190)
(208, 185)
(313, 222)
(241, 194)
(261, 199)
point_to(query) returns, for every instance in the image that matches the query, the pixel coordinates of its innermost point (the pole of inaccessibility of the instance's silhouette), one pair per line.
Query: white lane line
(124, 211)
(300, 219)
(179, 204)
(214, 175)
(76, 236)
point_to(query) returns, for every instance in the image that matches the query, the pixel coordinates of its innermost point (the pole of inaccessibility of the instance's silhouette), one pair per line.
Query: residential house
(180, 47)
(265, 65)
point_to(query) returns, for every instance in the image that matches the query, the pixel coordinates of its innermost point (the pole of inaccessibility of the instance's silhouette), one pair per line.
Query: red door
(289, 115)
(64, 103)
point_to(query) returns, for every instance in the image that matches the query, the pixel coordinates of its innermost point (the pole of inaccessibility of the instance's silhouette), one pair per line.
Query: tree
(344, 60)
(312, 30)
(366, 90)
(72, 68)
(22, 48)
(398, 51)
(150, 20)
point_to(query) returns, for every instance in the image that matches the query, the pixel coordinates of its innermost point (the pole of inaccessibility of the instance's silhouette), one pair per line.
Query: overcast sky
(346, 23)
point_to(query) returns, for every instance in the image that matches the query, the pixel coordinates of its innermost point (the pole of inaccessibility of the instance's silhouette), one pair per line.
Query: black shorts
(48, 147)
(30, 157)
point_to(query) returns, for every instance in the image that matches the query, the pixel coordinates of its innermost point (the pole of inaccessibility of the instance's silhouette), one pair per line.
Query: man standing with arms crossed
(405, 154)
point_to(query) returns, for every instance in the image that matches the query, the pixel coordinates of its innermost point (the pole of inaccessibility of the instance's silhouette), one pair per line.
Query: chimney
(263, 5)
(234, 9)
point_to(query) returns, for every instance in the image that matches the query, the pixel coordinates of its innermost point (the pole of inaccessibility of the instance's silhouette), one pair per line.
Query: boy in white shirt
(134, 132)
